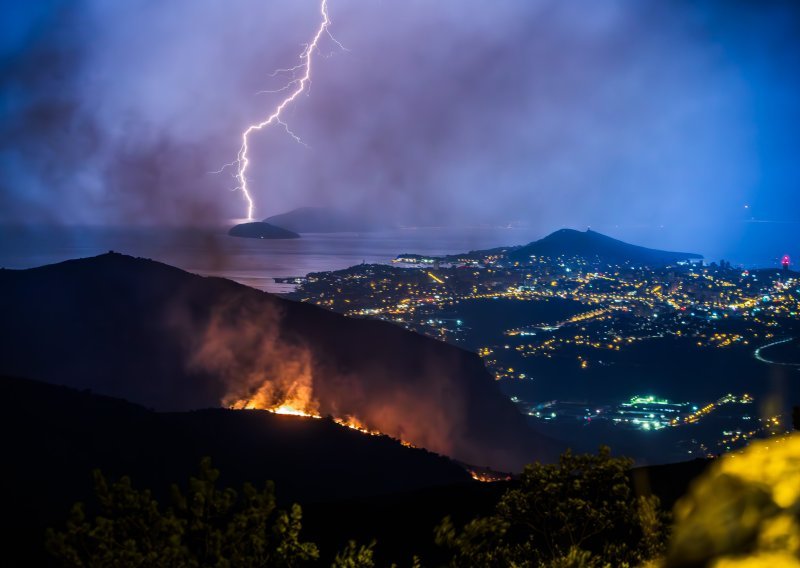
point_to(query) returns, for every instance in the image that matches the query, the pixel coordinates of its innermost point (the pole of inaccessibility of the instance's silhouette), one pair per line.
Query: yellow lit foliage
(745, 511)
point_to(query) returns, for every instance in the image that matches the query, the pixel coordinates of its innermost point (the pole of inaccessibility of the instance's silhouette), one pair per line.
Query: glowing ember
(488, 476)
(299, 401)
(302, 408)
(286, 409)
(355, 424)
(295, 400)
(291, 408)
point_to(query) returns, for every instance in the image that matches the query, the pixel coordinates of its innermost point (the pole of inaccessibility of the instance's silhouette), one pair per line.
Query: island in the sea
(261, 230)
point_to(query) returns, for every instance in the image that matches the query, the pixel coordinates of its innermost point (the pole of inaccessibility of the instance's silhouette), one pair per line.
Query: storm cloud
(533, 111)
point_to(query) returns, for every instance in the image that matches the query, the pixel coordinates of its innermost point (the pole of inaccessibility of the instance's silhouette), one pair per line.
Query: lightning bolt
(301, 77)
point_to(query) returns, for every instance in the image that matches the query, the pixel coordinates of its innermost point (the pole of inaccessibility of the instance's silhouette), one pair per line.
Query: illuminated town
(572, 340)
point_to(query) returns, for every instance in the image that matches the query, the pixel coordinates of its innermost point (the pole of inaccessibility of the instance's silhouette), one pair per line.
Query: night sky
(673, 116)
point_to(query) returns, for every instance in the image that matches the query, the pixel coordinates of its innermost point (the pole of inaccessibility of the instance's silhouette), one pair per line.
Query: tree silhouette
(206, 526)
(580, 511)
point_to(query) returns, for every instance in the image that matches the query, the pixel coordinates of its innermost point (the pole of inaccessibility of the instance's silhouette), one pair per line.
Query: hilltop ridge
(158, 336)
(324, 220)
(591, 244)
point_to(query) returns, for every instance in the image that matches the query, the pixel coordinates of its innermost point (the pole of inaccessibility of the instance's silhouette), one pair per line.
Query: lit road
(757, 353)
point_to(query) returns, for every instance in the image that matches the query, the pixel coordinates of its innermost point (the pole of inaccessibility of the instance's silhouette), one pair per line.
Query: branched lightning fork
(296, 86)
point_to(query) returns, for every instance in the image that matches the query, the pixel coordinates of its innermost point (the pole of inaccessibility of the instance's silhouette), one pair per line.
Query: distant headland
(325, 220)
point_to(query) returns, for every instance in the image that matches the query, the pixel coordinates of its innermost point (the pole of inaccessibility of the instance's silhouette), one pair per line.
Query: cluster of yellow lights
(710, 407)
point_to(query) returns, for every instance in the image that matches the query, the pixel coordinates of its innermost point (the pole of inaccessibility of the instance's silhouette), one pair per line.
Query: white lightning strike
(299, 85)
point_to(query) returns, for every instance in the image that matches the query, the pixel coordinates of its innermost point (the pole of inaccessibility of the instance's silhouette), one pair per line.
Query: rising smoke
(263, 353)
(241, 345)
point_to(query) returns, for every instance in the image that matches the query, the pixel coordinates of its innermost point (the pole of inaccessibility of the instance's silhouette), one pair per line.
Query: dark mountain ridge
(324, 220)
(591, 244)
(161, 337)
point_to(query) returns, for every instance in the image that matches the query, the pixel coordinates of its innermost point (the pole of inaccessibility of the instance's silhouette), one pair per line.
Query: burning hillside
(171, 340)
(298, 401)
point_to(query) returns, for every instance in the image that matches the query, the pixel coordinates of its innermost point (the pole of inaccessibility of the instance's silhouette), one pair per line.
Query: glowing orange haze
(261, 359)
(299, 402)
(283, 383)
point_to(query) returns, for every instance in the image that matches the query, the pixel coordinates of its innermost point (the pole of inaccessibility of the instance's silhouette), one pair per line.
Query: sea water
(253, 262)
(256, 262)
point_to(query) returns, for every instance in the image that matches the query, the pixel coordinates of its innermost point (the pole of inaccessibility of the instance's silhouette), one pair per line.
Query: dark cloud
(615, 112)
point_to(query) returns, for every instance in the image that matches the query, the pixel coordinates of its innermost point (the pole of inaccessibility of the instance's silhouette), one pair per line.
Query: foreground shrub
(205, 527)
(580, 512)
(745, 511)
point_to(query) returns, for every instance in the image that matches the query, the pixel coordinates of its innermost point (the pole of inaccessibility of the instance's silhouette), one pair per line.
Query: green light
(650, 399)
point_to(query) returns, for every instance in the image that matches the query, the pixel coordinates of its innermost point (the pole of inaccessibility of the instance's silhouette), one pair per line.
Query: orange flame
(291, 410)
(301, 406)
(488, 476)
(356, 424)
(297, 401)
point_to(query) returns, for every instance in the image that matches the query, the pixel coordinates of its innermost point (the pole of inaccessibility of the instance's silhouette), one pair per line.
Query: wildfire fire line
(488, 476)
(298, 401)
(297, 407)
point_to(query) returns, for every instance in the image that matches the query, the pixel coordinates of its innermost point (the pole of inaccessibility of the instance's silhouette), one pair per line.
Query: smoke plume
(298, 359)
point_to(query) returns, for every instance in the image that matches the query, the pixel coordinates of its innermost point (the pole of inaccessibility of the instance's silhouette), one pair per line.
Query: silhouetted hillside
(308, 458)
(55, 436)
(351, 485)
(590, 244)
(323, 220)
(164, 338)
(259, 230)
